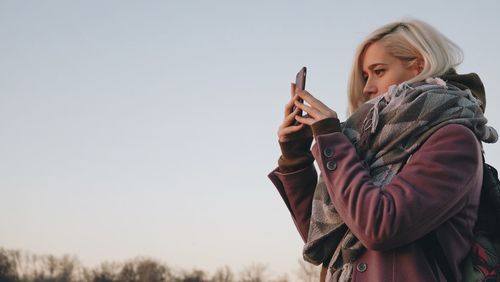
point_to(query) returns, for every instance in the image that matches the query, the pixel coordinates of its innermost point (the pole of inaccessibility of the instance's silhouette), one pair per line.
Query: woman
(406, 163)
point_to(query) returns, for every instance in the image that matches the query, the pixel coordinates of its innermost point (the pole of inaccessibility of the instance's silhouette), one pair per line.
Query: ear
(418, 66)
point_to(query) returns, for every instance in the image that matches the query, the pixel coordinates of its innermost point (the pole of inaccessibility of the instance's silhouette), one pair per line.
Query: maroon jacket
(438, 189)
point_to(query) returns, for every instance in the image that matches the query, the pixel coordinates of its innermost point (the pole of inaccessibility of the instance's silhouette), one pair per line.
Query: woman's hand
(290, 129)
(315, 112)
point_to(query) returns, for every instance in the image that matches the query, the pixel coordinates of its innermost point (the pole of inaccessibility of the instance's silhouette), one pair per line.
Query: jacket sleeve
(297, 190)
(430, 189)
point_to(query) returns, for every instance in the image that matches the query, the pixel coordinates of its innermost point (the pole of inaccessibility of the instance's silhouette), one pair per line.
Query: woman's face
(381, 70)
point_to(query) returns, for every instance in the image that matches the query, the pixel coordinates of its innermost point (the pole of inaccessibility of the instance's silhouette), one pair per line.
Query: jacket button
(362, 267)
(331, 165)
(328, 152)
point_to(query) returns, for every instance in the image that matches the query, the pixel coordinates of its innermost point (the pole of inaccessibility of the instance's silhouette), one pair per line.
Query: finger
(292, 89)
(309, 110)
(283, 132)
(289, 119)
(309, 98)
(305, 120)
(289, 106)
(291, 128)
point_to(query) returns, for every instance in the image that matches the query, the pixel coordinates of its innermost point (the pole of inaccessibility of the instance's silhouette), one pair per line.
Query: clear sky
(148, 127)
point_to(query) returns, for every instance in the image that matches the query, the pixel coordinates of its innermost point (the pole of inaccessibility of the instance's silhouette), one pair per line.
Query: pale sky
(149, 127)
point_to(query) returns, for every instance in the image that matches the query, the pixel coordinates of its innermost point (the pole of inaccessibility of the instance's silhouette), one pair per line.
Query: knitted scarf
(385, 132)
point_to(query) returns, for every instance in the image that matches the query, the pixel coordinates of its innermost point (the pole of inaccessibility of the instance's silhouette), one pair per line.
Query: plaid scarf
(385, 132)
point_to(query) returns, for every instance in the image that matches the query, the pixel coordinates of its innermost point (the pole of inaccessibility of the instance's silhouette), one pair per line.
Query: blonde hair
(413, 42)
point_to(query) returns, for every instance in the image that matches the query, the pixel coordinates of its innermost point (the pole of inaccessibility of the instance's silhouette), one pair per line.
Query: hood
(467, 81)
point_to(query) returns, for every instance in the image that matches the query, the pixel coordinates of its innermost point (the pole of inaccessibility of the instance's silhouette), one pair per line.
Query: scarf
(385, 132)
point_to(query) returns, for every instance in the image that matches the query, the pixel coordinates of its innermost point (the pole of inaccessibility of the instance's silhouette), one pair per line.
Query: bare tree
(223, 274)
(43, 268)
(19, 266)
(106, 272)
(57, 269)
(253, 273)
(145, 270)
(281, 278)
(194, 275)
(307, 272)
(128, 273)
(23, 263)
(8, 271)
(151, 271)
(68, 269)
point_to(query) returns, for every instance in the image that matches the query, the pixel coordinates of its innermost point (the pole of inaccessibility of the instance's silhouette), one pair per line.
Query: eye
(379, 71)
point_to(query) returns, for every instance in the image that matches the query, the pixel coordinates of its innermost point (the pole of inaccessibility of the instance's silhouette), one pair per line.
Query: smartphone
(300, 83)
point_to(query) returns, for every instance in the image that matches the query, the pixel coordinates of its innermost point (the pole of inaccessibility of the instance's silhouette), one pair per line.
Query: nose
(370, 89)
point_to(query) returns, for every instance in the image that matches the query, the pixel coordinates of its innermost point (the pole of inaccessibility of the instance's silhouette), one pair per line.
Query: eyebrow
(373, 66)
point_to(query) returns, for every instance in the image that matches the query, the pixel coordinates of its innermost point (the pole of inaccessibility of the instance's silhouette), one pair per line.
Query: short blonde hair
(413, 42)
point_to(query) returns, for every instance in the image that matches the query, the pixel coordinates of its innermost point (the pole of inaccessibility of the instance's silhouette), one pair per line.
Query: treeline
(18, 266)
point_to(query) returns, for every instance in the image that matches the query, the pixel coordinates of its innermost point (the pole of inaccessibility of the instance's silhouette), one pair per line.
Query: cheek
(398, 77)
(388, 81)
(406, 74)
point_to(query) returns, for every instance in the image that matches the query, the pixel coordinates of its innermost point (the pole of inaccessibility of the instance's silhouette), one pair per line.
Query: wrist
(296, 154)
(326, 126)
